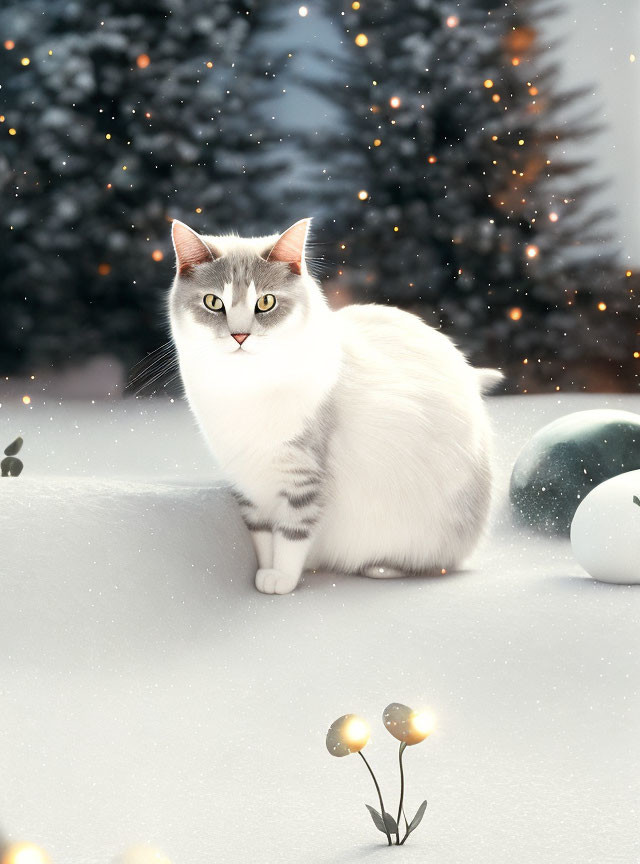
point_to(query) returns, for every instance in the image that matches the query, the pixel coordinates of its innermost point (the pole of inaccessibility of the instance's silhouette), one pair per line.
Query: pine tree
(465, 206)
(118, 117)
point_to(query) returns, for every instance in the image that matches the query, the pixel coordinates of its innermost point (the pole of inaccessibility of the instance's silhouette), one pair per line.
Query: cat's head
(239, 295)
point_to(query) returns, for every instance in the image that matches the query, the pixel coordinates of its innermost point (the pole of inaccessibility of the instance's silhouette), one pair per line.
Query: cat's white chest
(248, 427)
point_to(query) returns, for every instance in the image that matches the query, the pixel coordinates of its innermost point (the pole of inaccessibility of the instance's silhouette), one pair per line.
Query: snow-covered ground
(149, 694)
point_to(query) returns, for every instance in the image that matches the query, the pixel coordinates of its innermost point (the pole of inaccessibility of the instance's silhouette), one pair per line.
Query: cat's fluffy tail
(489, 379)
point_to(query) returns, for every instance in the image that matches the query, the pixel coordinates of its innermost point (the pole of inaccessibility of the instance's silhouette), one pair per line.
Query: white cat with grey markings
(354, 440)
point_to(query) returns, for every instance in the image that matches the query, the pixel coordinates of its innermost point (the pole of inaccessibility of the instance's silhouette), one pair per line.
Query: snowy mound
(107, 560)
(149, 694)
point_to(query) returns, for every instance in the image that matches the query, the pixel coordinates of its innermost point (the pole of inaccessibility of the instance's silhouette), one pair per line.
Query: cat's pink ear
(190, 248)
(289, 247)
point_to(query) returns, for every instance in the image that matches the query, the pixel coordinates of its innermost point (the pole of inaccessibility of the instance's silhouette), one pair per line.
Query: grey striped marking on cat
(304, 461)
(246, 509)
(307, 455)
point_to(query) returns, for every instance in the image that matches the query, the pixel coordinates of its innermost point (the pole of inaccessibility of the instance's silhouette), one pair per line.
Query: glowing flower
(348, 734)
(405, 724)
(25, 853)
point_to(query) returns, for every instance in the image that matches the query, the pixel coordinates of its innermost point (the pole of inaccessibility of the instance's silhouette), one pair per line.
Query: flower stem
(403, 747)
(379, 797)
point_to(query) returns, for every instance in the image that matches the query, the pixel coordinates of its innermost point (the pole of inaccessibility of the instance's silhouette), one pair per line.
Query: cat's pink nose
(239, 337)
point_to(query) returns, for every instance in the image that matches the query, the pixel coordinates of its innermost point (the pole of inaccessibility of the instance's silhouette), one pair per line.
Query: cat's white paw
(275, 582)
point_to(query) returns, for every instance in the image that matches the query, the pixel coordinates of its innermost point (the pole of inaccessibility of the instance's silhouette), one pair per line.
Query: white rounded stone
(605, 532)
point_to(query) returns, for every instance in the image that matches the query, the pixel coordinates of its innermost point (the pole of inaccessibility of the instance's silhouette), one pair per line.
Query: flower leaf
(377, 818)
(417, 819)
(14, 448)
(10, 466)
(391, 824)
(392, 828)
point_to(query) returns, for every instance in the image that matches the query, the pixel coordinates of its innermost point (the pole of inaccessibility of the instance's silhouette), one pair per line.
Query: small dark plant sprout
(10, 465)
(350, 733)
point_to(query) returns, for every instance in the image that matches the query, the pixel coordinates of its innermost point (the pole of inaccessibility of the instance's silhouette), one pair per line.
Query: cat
(354, 440)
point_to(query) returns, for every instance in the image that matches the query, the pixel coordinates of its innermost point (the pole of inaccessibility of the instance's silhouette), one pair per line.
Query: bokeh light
(25, 853)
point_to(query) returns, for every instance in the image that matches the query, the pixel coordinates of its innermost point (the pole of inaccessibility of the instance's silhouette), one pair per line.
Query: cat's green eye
(212, 302)
(265, 303)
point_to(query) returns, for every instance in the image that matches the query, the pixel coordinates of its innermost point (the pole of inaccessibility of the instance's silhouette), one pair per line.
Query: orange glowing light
(377, 142)
(432, 160)
(515, 314)
(361, 40)
(157, 255)
(104, 269)
(26, 399)
(515, 61)
(636, 354)
(533, 91)
(9, 44)
(25, 61)
(363, 194)
(355, 4)
(395, 102)
(108, 185)
(25, 853)
(532, 251)
(453, 21)
(142, 61)
(198, 209)
(12, 131)
(488, 83)
(209, 64)
(628, 273)
(496, 97)
(147, 114)
(553, 217)
(602, 306)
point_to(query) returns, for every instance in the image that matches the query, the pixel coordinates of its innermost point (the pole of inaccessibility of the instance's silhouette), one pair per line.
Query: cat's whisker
(159, 359)
(159, 373)
(148, 366)
(152, 355)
